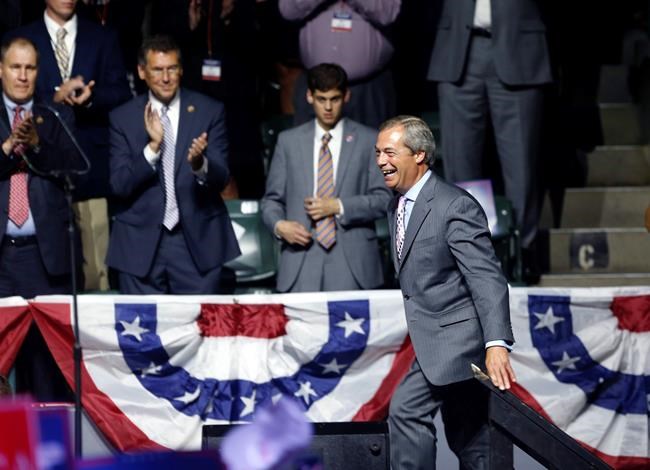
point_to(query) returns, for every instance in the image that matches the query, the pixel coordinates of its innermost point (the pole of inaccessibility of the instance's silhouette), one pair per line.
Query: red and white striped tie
(18, 196)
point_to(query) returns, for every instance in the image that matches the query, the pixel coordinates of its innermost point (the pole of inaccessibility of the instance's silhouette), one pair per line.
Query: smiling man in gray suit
(455, 299)
(324, 193)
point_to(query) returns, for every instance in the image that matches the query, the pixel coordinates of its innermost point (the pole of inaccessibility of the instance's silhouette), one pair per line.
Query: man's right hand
(74, 91)
(293, 233)
(154, 127)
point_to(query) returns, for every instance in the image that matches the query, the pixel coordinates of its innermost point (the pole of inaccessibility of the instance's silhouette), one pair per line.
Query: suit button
(406, 297)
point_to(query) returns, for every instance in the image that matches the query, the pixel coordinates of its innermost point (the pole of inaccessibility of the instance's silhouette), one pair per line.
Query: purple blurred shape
(278, 432)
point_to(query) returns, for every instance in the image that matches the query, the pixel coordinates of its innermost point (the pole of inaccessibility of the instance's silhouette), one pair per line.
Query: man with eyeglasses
(171, 232)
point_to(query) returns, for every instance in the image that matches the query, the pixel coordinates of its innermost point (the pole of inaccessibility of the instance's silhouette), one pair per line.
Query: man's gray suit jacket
(359, 185)
(455, 295)
(519, 43)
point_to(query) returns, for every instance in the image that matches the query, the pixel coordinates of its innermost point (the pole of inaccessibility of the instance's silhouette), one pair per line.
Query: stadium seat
(271, 127)
(256, 267)
(506, 241)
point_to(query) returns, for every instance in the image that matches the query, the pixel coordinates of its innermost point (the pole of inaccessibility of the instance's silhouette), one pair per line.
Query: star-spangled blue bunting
(236, 400)
(569, 360)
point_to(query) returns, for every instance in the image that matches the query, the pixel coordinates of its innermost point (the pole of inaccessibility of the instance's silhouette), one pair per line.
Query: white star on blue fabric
(305, 392)
(547, 320)
(332, 367)
(133, 328)
(153, 369)
(249, 404)
(351, 325)
(189, 397)
(567, 362)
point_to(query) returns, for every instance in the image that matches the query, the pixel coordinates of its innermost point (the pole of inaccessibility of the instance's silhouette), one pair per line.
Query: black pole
(69, 188)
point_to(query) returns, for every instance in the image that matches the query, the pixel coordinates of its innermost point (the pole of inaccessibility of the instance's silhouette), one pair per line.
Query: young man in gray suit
(324, 193)
(455, 299)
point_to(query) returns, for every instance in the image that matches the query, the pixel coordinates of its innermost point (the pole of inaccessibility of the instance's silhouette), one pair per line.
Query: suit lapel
(347, 151)
(306, 155)
(392, 208)
(82, 46)
(186, 116)
(419, 212)
(48, 73)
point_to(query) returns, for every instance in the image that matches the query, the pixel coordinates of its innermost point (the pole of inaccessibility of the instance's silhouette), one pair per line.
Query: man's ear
(141, 72)
(310, 97)
(419, 157)
(346, 98)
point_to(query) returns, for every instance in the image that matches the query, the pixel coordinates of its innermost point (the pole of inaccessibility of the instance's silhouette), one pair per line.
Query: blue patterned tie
(170, 219)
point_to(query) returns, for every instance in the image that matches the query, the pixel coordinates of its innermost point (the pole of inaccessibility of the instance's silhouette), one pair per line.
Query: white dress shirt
(483, 15)
(28, 228)
(70, 38)
(174, 113)
(334, 145)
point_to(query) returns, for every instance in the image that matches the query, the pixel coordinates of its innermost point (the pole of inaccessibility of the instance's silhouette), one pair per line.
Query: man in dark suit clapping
(171, 230)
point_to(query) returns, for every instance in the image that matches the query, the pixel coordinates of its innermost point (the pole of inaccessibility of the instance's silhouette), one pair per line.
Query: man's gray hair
(417, 135)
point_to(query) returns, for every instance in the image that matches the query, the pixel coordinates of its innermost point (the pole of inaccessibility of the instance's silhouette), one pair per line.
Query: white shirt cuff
(151, 156)
(498, 342)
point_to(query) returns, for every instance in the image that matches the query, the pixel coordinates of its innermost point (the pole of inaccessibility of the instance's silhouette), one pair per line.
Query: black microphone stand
(67, 176)
(69, 188)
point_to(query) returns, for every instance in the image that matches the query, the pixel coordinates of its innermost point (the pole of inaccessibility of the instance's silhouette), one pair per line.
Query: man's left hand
(499, 370)
(320, 207)
(25, 133)
(195, 154)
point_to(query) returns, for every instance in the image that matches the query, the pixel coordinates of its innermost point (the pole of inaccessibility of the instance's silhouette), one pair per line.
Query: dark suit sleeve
(469, 241)
(129, 169)
(274, 200)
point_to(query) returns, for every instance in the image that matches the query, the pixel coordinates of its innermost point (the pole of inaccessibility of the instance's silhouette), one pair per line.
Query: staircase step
(620, 123)
(605, 207)
(619, 165)
(594, 280)
(613, 84)
(610, 250)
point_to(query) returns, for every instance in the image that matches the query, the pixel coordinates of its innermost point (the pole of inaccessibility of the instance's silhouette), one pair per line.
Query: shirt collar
(174, 104)
(52, 26)
(336, 132)
(10, 105)
(413, 193)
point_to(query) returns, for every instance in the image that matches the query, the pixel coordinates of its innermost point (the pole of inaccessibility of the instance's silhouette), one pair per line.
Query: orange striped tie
(326, 227)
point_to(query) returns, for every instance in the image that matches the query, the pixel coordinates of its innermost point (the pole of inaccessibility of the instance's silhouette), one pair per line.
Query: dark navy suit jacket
(140, 193)
(96, 57)
(47, 200)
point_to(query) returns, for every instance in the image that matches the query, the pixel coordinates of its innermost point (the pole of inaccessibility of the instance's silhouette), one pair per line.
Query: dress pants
(466, 109)
(410, 421)
(173, 271)
(23, 273)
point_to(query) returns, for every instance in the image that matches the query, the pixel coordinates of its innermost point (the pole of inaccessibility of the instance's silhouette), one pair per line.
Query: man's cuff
(202, 173)
(499, 342)
(151, 156)
(341, 209)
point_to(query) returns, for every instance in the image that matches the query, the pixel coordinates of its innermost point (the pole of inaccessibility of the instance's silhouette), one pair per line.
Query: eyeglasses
(171, 71)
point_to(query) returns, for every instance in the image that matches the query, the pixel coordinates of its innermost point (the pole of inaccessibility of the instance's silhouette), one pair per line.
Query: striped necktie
(62, 54)
(326, 227)
(170, 219)
(18, 196)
